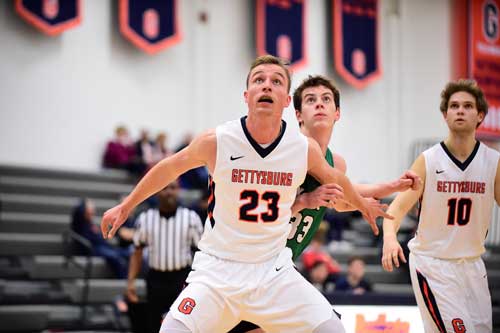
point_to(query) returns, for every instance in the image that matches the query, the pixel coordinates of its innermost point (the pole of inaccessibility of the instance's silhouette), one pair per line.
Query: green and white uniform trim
(307, 221)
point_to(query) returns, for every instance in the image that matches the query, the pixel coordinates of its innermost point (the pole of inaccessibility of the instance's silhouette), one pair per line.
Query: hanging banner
(50, 16)
(281, 30)
(484, 59)
(151, 25)
(355, 41)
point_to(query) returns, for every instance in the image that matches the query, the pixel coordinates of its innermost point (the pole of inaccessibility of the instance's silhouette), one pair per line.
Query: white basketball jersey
(252, 191)
(456, 204)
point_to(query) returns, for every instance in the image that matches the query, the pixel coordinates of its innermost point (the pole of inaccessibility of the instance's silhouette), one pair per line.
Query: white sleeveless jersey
(456, 204)
(252, 191)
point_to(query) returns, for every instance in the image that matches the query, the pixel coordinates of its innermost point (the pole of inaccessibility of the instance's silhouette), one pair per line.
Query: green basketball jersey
(306, 222)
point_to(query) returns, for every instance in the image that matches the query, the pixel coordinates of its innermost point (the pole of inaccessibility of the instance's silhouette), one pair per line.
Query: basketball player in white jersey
(461, 180)
(244, 271)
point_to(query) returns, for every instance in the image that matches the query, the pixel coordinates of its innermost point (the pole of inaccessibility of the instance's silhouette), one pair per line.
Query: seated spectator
(320, 277)
(354, 282)
(119, 151)
(160, 150)
(81, 223)
(144, 151)
(316, 252)
(194, 179)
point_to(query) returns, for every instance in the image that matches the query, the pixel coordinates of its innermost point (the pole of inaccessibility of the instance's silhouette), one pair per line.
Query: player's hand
(391, 254)
(374, 209)
(325, 195)
(113, 218)
(132, 293)
(409, 180)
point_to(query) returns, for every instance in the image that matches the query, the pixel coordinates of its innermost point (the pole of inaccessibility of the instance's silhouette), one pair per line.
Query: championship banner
(355, 41)
(151, 25)
(50, 16)
(484, 59)
(281, 30)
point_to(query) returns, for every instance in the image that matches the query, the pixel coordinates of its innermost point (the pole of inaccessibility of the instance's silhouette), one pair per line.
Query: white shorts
(452, 295)
(271, 294)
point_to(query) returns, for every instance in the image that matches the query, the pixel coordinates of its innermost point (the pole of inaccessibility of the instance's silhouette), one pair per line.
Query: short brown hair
(469, 86)
(314, 81)
(271, 60)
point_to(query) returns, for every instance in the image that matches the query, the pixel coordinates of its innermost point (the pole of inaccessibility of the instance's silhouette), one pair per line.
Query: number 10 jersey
(457, 203)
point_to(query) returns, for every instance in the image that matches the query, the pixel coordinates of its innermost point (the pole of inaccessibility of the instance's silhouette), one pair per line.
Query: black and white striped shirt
(169, 240)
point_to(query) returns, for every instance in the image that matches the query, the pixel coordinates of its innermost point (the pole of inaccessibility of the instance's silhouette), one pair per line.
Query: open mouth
(265, 99)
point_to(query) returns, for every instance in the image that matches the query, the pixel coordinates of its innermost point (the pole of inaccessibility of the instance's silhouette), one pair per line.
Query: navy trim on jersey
(430, 302)
(263, 152)
(459, 164)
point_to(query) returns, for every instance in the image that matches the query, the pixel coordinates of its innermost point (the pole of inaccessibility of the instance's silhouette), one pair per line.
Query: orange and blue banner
(151, 25)
(52, 17)
(356, 46)
(281, 30)
(484, 59)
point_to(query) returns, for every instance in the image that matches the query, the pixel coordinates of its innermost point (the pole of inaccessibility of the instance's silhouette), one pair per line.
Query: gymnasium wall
(61, 97)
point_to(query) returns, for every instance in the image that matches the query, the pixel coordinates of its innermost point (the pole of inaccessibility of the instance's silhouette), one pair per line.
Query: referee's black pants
(163, 288)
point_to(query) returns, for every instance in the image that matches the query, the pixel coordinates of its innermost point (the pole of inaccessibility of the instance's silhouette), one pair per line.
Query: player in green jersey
(317, 107)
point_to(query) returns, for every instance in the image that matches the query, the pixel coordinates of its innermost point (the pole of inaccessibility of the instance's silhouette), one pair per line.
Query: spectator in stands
(160, 149)
(82, 224)
(316, 252)
(119, 151)
(177, 232)
(144, 151)
(321, 278)
(354, 282)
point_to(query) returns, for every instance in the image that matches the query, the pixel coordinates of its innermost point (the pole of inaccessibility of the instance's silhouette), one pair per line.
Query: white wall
(61, 97)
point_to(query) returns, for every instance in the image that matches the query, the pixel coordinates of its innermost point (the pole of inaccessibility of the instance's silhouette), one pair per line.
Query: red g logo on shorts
(187, 305)
(458, 325)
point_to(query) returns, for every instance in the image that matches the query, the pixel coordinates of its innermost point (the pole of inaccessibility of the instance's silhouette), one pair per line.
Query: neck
(166, 208)
(460, 145)
(263, 129)
(321, 135)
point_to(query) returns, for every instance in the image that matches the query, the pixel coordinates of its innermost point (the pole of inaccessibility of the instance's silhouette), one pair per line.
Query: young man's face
(318, 108)
(267, 91)
(462, 115)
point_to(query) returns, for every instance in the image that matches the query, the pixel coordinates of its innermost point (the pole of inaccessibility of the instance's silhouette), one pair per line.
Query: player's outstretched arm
(321, 170)
(201, 151)
(409, 180)
(404, 201)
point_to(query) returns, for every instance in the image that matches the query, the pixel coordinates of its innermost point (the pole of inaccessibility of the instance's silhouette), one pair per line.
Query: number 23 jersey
(457, 203)
(252, 190)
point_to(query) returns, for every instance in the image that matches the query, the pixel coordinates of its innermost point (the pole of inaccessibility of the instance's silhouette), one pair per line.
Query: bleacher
(43, 288)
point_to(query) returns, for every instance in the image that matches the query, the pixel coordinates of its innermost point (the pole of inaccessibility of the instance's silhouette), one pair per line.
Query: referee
(170, 233)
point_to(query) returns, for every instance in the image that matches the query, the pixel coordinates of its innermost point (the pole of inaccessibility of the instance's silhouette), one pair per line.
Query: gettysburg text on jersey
(261, 177)
(460, 187)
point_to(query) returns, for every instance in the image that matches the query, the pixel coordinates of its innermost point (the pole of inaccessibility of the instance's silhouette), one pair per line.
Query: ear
(481, 116)
(245, 95)
(298, 115)
(336, 115)
(444, 114)
(288, 100)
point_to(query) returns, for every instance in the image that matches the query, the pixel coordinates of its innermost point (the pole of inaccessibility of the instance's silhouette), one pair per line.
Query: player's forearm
(351, 196)
(391, 227)
(343, 206)
(156, 179)
(381, 190)
(134, 265)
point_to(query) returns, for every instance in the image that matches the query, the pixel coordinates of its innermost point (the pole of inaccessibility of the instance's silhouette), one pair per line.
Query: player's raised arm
(319, 169)
(408, 180)
(201, 151)
(404, 201)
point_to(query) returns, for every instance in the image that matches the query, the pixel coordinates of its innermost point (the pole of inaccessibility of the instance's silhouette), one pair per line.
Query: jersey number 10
(459, 211)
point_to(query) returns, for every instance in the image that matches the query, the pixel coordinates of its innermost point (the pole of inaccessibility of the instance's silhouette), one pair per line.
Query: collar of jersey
(263, 152)
(459, 164)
